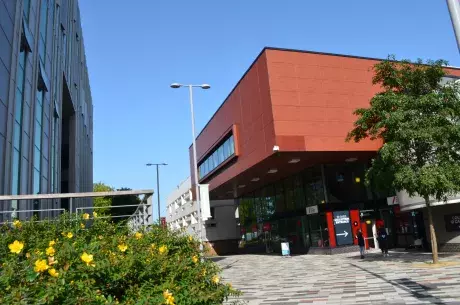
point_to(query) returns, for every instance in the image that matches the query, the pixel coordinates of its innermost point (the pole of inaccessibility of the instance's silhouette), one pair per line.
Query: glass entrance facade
(280, 208)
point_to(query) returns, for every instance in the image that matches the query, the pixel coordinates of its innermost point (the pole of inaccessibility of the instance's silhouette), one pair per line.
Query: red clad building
(277, 147)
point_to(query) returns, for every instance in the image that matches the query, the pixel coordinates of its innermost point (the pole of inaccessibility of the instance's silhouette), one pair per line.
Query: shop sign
(343, 228)
(393, 200)
(312, 210)
(285, 251)
(452, 222)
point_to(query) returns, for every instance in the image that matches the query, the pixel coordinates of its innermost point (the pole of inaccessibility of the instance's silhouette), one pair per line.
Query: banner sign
(342, 226)
(285, 251)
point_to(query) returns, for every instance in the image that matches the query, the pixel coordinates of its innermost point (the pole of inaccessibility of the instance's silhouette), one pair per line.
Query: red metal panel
(331, 229)
(355, 224)
(364, 230)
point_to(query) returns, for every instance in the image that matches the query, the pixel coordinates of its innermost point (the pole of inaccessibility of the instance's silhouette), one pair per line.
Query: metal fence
(143, 215)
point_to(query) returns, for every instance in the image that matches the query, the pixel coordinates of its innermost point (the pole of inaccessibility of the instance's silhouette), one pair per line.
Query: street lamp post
(195, 162)
(158, 186)
(454, 11)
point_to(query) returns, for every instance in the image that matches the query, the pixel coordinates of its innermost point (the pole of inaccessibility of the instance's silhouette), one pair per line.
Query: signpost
(343, 228)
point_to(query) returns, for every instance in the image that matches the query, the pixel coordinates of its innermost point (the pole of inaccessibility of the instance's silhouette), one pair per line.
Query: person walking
(361, 243)
(383, 241)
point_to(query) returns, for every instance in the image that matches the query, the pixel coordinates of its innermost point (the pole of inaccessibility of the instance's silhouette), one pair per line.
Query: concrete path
(343, 279)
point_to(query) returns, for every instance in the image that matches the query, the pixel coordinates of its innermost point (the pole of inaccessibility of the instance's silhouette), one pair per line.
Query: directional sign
(344, 234)
(342, 228)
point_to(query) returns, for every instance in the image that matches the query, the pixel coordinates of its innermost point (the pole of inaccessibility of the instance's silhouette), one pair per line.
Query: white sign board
(312, 210)
(393, 200)
(204, 202)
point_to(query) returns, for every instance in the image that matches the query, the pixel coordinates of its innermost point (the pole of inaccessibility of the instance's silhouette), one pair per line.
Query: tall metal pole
(454, 10)
(158, 193)
(195, 165)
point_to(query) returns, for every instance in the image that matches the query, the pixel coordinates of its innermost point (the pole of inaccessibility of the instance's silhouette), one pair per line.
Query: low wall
(221, 247)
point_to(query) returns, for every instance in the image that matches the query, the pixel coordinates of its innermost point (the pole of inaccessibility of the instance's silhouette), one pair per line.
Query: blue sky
(135, 49)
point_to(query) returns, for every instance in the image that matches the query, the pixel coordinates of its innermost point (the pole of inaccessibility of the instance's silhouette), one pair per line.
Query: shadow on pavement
(405, 257)
(409, 286)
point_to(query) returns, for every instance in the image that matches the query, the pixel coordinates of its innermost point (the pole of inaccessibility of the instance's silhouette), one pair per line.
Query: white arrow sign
(344, 234)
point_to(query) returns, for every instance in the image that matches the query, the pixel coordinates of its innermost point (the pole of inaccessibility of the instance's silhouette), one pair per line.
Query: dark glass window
(36, 181)
(313, 181)
(18, 120)
(217, 157)
(345, 182)
(16, 174)
(43, 31)
(26, 10)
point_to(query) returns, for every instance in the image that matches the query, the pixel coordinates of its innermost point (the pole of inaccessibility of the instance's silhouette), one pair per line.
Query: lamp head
(175, 85)
(205, 86)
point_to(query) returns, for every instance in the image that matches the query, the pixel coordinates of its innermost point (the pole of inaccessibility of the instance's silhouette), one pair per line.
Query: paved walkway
(341, 279)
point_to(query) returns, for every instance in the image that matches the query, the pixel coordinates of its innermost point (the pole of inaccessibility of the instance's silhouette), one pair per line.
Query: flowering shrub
(93, 261)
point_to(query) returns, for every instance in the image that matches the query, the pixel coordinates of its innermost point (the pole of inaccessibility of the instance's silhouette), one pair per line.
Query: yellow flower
(204, 272)
(163, 249)
(138, 235)
(86, 216)
(190, 238)
(51, 243)
(82, 225)
(17, 224)
(69, 235)
(16, 247)
(122, 247)
(215, 279)
(169, 299)
(41, 265)
(87, 258)
(53, 272)
(94, 214)
(27, 255)
(153, 246)
(195, 259)
(50, 251)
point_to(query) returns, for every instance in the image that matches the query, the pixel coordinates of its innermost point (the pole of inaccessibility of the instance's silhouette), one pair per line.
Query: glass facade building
(46, 111)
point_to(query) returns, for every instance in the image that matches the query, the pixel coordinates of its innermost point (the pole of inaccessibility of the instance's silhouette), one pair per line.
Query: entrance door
(369, 230)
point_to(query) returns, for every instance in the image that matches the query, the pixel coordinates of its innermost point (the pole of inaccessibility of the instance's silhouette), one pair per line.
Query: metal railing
(143, 215)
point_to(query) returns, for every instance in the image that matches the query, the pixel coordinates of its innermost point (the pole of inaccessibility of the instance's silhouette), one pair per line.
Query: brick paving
(342, 279)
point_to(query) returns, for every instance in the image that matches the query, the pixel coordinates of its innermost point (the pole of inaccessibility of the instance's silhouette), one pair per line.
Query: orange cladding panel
(249, 108)
(315, 97)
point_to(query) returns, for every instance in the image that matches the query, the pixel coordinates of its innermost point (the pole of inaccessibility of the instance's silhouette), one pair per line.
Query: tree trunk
(434, 242)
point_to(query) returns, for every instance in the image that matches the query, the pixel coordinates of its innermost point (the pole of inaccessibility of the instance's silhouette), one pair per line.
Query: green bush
(94, 261)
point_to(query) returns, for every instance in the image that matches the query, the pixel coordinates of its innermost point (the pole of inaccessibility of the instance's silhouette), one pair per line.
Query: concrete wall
(225, 221)
(220, 233)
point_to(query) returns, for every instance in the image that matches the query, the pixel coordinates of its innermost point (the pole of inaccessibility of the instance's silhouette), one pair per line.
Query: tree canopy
(417, 118)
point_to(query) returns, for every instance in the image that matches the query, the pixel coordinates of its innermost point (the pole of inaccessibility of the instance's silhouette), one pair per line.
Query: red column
(355, 224)
(364, 230)
(331, 229)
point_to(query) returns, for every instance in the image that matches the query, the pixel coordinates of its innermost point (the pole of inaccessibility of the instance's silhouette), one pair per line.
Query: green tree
(417, 118)
(102, 201)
